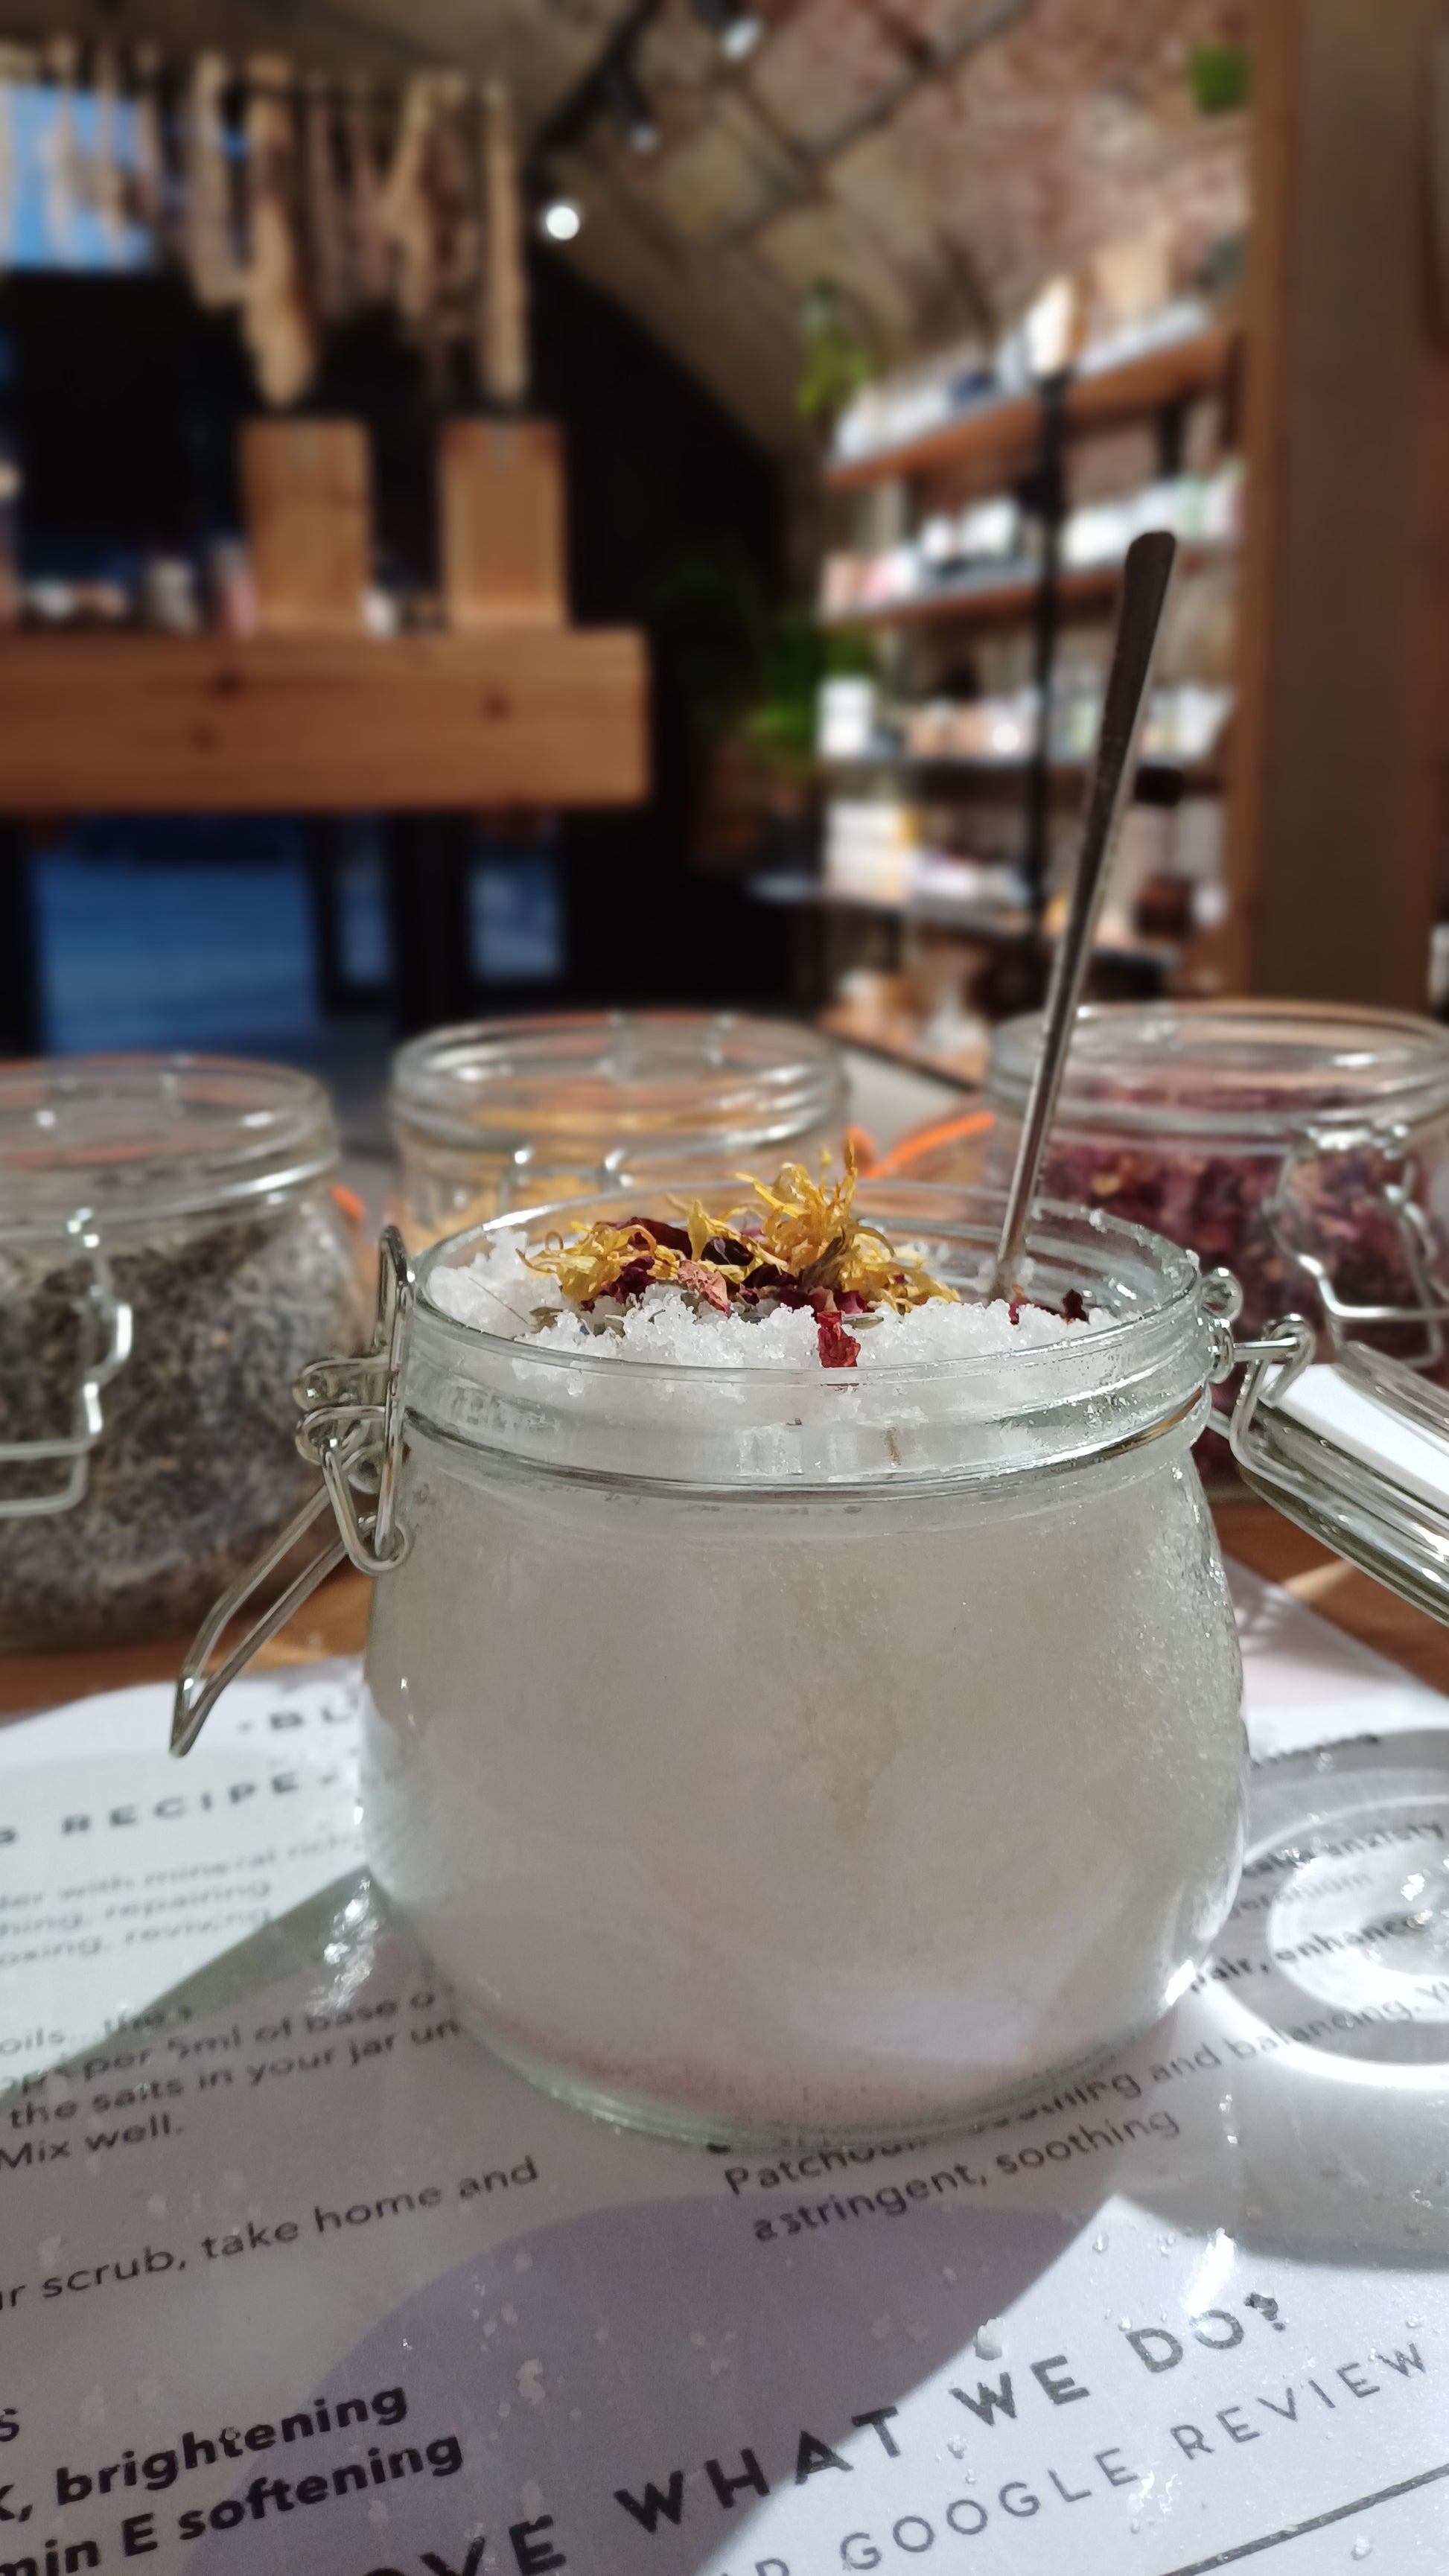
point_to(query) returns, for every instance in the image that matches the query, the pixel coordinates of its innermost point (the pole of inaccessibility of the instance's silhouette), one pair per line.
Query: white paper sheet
(292, 2276)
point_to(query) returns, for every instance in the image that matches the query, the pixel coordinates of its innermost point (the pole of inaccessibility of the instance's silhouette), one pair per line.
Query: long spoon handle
(1145, 576)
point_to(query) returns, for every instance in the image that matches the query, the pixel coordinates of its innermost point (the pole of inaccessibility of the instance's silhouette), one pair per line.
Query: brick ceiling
(942, 158)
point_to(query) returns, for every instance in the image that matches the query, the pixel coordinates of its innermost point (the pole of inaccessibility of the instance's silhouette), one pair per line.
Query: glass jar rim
(132, 1138)
(1264, 1072)
(1111, 1387)
(714, 1080)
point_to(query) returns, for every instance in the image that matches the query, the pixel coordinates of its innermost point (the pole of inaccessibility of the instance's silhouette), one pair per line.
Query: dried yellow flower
(799, 1240)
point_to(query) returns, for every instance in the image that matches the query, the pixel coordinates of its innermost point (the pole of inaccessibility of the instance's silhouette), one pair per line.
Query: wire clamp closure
(103, 1318)
(1354, 1449)
(353, 1430)
(1394, 1205)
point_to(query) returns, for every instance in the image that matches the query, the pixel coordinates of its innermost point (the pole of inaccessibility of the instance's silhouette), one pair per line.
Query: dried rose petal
(708, 1283)
(633, 1279)
(838, 1348)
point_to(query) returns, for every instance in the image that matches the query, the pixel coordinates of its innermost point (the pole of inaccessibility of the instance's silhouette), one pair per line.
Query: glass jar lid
(1251, 1071)
(129, 1138)
(612, 1088)
(1141, 1372)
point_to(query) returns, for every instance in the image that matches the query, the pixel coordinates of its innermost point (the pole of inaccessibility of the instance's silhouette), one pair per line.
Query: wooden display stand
(149, 724)
(501, 524)
(307, 488)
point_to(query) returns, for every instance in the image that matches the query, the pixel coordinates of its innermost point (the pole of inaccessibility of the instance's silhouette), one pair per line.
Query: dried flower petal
(838, 1348)
(709, 1283)
(801, 1245)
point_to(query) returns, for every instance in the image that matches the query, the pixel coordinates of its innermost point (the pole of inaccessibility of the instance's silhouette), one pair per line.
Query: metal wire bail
(1397, 1202)
(353, 1431)
(341, 1396)
(104, 1318)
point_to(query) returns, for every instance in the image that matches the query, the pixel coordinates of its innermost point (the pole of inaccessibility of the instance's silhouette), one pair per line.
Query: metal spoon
(1145, 576)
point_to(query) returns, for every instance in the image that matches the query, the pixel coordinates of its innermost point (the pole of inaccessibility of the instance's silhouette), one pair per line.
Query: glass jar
(170, 1252)
(766, 1752)
(504, 1114)
(1304, 1146)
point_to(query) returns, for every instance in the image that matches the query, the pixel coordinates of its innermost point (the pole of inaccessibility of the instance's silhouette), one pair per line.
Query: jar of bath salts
(506, 1114)
(1304, 1146)
(170, 1252)
(768, 1749)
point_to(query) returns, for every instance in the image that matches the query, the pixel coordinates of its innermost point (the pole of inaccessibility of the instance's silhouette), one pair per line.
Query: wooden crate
(501, 523)
(307, 489)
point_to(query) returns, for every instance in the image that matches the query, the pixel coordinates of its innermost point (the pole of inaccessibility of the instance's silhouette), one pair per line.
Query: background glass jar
(766, 1753)
(171, 1250)
(507, 1113)
(1291, 1142)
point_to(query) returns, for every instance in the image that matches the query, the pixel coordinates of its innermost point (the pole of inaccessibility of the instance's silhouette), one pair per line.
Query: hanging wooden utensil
(209, 241)
(503, 342)
(148, 173)
(326, 206)
(64, 174)
(276, 319)
(106, 177)
(405, 217)
(11, 69)
(452, 193)
(369, 259)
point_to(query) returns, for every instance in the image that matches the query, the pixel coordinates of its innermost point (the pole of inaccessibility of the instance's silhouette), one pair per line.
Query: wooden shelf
(1006, 603)
(889, 1035)
(999, 924)
(1004, 430)
(153, 724)
(1156, 774)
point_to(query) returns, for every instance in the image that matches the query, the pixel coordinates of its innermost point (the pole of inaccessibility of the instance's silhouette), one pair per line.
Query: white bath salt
(782, 1757)
(988, 2340)
(498, 1293)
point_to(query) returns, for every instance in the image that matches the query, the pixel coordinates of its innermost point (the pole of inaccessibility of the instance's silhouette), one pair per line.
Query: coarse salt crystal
(499, 1294)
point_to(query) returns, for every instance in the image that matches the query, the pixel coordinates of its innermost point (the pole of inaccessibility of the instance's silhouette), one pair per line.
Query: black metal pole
(1048, 496)
(20, 1011)
(427, 868)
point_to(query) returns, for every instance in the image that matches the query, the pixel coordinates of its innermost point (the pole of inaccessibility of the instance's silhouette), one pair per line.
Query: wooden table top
(334, 1620)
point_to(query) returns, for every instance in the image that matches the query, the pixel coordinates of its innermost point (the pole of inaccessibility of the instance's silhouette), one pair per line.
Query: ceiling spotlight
(561, 219)
(735, 27)
(622, 95)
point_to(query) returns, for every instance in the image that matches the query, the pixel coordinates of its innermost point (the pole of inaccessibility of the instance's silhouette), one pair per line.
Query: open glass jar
(507, 1113)
(1302, 1145)
(767, 1752)
(170, 1253)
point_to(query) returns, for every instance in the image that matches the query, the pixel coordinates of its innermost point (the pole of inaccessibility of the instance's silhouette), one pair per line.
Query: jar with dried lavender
(1304, 1146)
(170, 1250)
